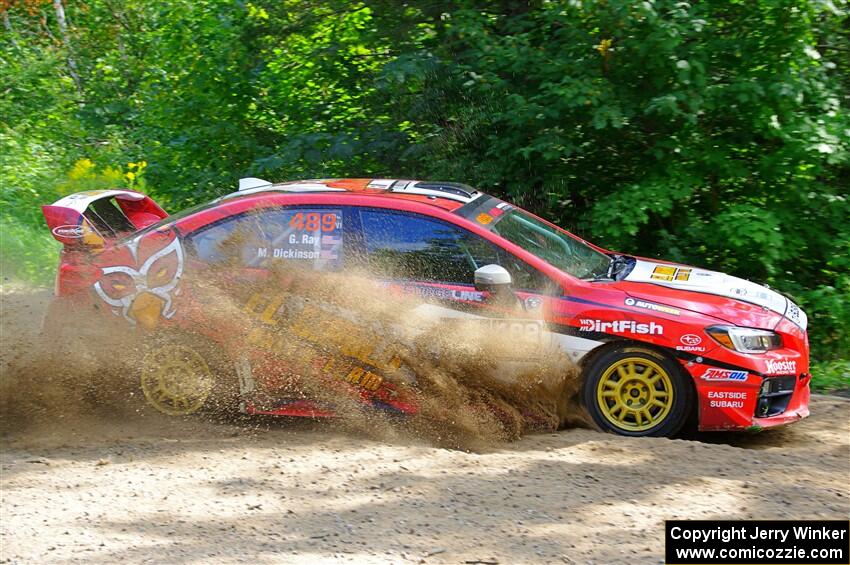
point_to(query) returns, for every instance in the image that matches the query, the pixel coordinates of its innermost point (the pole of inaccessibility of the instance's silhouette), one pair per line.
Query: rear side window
(311, 237)
(404, 246)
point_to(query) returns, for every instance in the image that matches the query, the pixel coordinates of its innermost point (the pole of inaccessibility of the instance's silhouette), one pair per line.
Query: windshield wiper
(619, 266)
(606, 276)
(616, 267)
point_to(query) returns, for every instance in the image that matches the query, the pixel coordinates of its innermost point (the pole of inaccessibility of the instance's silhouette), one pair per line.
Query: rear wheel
(182, 375)
(636, 391)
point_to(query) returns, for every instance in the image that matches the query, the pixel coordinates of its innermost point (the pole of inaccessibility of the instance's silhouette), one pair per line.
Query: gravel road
(83, 484)
(301, 492)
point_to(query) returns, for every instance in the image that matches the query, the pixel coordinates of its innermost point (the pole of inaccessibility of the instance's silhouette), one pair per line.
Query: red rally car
(657, 343)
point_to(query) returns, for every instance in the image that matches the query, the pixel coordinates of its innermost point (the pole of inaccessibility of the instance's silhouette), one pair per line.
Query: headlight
(745, 340)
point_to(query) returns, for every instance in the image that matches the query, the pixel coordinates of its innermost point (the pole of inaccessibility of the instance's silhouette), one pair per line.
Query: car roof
(446, 195)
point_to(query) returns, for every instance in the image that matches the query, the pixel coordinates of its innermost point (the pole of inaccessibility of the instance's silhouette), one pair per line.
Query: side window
(259, 238)
(526, 277)
(411, 247)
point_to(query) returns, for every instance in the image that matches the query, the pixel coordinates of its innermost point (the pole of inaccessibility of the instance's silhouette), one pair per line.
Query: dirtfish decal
(621, 327)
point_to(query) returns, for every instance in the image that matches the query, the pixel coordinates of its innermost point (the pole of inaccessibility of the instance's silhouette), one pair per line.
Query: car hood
(683, 277)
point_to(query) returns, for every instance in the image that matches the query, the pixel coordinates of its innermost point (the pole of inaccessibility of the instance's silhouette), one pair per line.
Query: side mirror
(493, 278)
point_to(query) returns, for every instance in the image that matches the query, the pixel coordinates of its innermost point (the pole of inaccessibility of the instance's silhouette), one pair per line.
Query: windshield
(552, 245)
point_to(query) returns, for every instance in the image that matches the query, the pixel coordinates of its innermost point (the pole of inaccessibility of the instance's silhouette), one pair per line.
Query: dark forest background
(714, 133)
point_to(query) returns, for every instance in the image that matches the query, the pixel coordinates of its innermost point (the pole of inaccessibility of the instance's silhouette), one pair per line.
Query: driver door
(436, 261)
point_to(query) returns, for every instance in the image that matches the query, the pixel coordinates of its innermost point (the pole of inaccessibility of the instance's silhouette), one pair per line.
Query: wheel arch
(591, 356)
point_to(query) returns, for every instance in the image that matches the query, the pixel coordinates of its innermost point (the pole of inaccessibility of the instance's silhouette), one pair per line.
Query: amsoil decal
(621, 327)
(726, 399)
(724, 375)
(781, 367)
(651, 306)
(690, 342)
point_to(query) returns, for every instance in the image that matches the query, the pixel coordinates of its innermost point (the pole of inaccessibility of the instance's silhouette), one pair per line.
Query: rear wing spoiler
(93, 217)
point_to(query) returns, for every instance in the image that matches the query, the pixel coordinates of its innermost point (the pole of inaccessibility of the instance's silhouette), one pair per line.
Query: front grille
(774, 396)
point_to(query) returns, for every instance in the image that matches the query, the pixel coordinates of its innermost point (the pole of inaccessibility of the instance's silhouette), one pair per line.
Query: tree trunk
(66, 40)
(8, 25)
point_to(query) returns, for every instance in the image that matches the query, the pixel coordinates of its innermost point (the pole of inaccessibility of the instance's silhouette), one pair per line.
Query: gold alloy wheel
(176, 379)
(635, 394)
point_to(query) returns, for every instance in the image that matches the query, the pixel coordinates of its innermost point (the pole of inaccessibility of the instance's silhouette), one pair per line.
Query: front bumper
(751, 402)
(796, 409)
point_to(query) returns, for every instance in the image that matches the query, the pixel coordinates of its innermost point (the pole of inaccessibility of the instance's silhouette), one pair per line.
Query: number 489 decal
(313, 221)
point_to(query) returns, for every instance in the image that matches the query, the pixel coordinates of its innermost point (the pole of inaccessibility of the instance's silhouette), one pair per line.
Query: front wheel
(636, 391)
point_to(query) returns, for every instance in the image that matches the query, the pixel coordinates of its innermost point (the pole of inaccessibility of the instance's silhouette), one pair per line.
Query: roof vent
(456, 188)
(252, 182)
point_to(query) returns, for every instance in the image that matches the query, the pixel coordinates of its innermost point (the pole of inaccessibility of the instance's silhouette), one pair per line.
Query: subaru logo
(690, 339)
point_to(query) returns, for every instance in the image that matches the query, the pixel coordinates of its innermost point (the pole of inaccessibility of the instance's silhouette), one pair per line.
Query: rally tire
(637, 391)
(185, 374)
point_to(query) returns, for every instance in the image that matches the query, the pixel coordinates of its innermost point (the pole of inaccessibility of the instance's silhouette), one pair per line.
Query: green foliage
(832, 376)
(27, 252)
(714, 133)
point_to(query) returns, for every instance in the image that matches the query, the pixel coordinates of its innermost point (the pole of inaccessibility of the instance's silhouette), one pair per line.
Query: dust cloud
(341, 341)
(76, 376)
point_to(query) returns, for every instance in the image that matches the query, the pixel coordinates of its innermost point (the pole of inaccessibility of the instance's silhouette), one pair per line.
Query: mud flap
(246, 381)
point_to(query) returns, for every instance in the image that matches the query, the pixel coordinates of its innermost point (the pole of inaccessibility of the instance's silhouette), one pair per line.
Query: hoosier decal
(781, 367)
